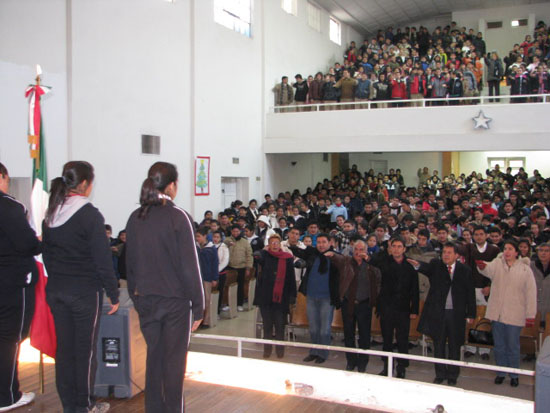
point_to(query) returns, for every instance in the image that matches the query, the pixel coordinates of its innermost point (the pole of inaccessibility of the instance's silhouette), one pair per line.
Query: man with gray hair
(358, 290)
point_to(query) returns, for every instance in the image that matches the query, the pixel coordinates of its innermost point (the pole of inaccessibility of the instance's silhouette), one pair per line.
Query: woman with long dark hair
(78, 260)
(165, 284)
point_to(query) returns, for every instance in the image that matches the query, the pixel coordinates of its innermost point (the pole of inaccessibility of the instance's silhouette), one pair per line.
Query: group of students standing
(164, 283)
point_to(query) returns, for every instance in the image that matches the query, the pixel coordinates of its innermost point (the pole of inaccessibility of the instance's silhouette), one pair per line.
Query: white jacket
(513, 296)
(223, 256)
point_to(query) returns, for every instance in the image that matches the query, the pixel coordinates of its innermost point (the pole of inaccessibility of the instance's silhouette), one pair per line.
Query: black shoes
(468, 354)
(350, 367)
(361, 369)
(400, 374)
(514, 382)
(499, 379)
(320, 360)
(485, 356)
(452, 382)
(309, 358)
(438, 380)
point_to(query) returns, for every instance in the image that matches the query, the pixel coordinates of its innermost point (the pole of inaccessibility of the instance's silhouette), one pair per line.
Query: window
(234, 14)
(290, 6)
(503, 163)
(335, 31)
(314, 17)
(520, 22)
(494, 25)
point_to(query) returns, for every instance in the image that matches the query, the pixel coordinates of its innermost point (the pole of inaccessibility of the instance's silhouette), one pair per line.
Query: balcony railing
(412, 103)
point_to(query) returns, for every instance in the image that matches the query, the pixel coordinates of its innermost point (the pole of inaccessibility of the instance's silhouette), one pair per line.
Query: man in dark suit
(451, 302)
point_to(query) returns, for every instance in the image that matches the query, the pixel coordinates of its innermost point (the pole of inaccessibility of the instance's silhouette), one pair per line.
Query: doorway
(232, 189)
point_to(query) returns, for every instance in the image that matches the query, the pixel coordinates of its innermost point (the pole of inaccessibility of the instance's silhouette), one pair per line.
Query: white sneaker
(26, 398)
(100, 408)
(226, 308)
(240, 308)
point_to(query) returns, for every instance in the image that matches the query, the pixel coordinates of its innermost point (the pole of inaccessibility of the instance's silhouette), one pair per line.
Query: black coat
(309, 255)
(432, 320)
(266, 281)
(399, 289)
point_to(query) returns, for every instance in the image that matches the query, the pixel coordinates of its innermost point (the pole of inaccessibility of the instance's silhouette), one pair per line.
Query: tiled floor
(470, 379)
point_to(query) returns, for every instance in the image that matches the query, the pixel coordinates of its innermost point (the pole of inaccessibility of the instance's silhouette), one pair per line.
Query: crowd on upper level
(451, 62)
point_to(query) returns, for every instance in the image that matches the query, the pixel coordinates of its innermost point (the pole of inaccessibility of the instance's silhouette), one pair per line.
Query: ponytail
(160, 175)
(74, 173)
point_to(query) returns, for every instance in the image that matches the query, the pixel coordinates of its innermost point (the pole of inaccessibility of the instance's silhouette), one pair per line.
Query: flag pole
(36, 166)
(41, 373)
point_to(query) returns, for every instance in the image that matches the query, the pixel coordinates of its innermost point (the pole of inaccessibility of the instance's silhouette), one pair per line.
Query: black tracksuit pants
(166, 327)
(16, 311)
(399, 322)
(76, 316)
(362, 318)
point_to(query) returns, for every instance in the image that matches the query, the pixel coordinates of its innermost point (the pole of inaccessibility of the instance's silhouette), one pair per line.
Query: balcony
(410, 129)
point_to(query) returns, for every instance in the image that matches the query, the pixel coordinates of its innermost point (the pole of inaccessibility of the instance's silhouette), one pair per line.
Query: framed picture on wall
(202, 175)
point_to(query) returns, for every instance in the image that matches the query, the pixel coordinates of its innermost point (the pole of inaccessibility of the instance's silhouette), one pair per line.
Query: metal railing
(406, 103)
(390, 356)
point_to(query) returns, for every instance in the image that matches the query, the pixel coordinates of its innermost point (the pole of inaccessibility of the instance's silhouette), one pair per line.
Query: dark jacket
(432, 320)
(18, 244)
(161, 256)
(349, 271)
(471, 254)
(208, 259)
(266, 281)
(76, 252)
(301, 91)
(330, 92)
(309, 255)
(399, 287)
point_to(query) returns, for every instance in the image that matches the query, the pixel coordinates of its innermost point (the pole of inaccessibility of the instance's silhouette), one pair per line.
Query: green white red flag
(42, 333)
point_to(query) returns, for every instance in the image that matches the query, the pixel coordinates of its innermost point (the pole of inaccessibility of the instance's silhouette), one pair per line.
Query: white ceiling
(367, 16)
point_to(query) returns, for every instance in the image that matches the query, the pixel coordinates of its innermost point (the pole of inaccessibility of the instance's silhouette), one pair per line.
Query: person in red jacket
(398, 88)
(487, 208)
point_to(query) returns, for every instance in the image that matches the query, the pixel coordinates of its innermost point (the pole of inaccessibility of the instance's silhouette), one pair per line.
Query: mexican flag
(42, 333)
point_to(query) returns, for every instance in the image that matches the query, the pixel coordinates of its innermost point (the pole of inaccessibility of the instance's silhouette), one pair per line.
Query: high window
(234, 14)
(335, 31)
(314, 17)
(290, 6)
(503, 163)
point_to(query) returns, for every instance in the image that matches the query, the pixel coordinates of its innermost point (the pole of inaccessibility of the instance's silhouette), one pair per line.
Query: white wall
(292, 46)
(32, 32)
(444, 128)
(431, 23)
(309, 168)
(504, 38)
(228, 102)
(406, 161)
(130, 76)
(477, 161)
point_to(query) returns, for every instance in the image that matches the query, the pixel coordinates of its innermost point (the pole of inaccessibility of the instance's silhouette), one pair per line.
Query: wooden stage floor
(199, 398)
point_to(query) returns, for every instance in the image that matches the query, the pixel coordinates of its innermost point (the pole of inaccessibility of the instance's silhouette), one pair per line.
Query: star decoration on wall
(481, 121)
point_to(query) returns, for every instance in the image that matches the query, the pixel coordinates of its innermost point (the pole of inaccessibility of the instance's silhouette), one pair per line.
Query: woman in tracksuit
(18, 275)
(164, 281)
(79, 265)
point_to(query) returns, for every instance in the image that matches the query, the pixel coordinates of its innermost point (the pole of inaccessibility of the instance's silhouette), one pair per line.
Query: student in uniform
(79, 265)
(165, 284)
(18, 245)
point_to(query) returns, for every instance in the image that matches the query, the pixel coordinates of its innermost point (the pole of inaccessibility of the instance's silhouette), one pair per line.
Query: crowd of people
(451, 62)
(361, 242)
(366, 242)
